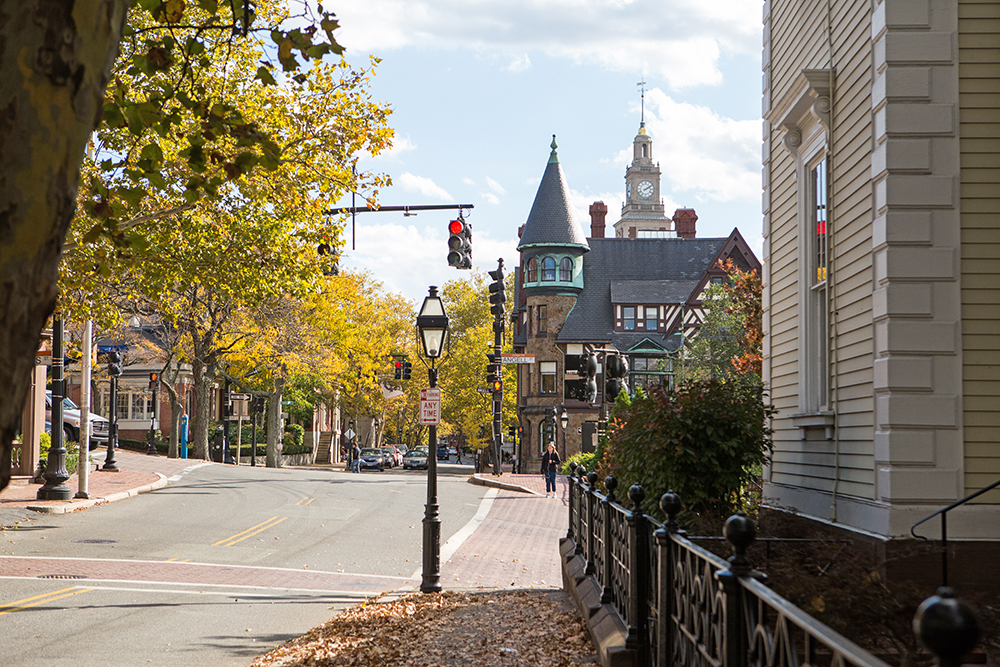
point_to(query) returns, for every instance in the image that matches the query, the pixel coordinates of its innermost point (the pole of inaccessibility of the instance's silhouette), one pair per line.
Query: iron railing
(684, 606)
(943, 513)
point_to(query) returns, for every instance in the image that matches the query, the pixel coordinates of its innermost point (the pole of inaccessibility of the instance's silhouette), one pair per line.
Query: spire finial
(642, 93)
(553, 156)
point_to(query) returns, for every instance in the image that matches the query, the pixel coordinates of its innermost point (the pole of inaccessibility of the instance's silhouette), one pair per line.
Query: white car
(99, 426)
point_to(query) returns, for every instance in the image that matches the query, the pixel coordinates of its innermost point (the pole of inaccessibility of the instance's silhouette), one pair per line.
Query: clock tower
(643, 209)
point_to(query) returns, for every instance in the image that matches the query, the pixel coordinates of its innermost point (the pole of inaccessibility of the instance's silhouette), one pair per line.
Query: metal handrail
(944, 526)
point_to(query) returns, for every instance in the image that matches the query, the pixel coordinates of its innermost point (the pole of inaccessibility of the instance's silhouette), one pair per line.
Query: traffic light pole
(405, 210)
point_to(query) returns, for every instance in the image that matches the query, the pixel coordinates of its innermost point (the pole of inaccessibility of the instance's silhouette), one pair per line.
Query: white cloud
(407, 258)
(424, 186)
(468, 181)
(678, 40)
(700, 152)
(495, 187)
(519, 63)
(490, 198)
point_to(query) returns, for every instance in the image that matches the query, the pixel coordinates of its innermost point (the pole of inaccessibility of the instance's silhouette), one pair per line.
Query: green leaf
(113, 115)
(133, 195)
(210, 6)
(152, 152)
(264, 76)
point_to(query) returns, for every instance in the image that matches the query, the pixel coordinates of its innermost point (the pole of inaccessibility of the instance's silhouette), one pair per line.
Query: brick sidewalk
(137, 473)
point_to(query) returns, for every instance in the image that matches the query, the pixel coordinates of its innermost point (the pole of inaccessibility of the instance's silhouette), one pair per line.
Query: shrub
(588, 461)
(294, 435)
(703, 440)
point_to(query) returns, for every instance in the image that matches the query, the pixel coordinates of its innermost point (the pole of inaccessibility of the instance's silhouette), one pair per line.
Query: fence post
(740, 531)
(666, 556)
(607, 594)
(578, 529)
(638, 576)
(572, 488)
(947, 626)
(591, 532)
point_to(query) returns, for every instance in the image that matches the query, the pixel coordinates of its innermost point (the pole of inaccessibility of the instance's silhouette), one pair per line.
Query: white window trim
(804, 114)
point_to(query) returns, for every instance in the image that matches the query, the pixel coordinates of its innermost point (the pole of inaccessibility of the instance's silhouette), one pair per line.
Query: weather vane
(642, 91)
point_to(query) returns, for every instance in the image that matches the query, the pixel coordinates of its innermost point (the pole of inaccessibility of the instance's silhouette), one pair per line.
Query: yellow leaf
(173, 10)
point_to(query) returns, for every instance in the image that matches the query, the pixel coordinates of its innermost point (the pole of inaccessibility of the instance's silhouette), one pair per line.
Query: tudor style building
(638, 294)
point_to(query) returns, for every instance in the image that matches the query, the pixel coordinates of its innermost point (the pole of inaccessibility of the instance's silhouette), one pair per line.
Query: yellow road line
(250, 532)
(232, 537)
(48, 597)
(170, 559)
(308, 501)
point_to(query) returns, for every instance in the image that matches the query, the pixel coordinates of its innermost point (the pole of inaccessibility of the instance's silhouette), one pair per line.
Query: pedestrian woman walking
(550, 467)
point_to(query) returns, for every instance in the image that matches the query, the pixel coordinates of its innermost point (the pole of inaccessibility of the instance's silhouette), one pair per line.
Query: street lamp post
(432, 324)
(564, 422)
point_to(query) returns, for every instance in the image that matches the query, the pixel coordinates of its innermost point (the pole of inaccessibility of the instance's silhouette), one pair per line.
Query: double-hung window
(628, 318)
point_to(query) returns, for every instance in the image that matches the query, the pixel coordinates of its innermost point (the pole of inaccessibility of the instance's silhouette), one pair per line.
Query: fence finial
(671, 505)
(636, 494)
(740, 531)
(610, 483)
(947, 626)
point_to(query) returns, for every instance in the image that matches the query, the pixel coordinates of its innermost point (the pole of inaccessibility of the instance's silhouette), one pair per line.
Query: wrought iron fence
(684, 606)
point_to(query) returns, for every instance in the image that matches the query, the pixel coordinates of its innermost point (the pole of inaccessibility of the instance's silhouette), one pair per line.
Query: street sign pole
(431, 579)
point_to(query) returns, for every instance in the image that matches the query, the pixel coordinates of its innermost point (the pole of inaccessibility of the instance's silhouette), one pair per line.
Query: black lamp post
(432, 324)
(564, 422)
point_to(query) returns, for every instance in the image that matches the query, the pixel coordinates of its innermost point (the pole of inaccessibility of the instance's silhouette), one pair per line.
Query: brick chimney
(598, 212)
(520, 230)
(684, 222)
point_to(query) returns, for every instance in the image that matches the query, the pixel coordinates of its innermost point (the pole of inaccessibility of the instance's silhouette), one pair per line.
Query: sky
(478, 88)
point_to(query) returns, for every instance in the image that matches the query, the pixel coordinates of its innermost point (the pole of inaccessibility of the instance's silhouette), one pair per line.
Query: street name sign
(517, 359)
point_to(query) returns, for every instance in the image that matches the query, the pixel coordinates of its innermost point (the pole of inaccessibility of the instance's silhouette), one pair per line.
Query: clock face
(645, 189)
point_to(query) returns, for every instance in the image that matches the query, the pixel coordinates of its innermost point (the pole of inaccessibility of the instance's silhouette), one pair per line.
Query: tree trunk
(274, 433)
(55, 62)
(204, 377)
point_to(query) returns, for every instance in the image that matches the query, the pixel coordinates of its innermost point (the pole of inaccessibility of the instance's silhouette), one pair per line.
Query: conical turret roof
(552, 221)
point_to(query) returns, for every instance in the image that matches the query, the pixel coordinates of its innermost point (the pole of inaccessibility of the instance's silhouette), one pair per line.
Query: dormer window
(548, 270)
(651, 320)
(566, 270)
(532, 270)
(628, 318)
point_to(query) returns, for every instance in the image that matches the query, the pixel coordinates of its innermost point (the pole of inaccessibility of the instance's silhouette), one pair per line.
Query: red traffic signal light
(455, 227)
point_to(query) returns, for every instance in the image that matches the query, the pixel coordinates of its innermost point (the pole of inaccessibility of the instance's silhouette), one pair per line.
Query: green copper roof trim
(553, 156)
(553, 245)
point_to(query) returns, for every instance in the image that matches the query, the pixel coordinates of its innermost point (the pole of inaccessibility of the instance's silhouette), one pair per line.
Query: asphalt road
(215, 568)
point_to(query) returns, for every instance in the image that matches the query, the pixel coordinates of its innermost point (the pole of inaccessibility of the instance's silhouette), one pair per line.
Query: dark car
(372, 458)
(390, 456)
(415, 458)
(443, 454)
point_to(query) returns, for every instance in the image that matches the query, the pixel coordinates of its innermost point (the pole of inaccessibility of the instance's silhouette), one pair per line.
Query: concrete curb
(74, 505)
(486, 481)
(605, 625)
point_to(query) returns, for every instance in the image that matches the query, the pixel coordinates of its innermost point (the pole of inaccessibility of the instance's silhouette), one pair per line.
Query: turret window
(566, 270)
(532, 270)
(548, 270)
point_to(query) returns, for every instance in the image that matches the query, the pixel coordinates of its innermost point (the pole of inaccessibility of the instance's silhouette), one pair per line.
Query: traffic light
(494, 373)
(460, 244)
(407, 369)
(399, 370)
(333, 268)
(497, 295)
(590, 369)
(154, 379)
(512, 431)
(114, 363)
(616, 370)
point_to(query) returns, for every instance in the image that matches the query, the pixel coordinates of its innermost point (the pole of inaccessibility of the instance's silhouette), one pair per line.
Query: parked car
(390, 456)
(99, 426)
(372, 458)
(415, 459)
(443, 454)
